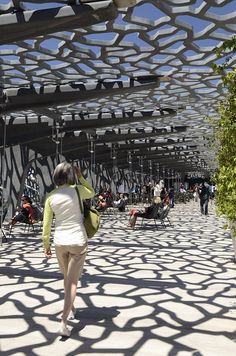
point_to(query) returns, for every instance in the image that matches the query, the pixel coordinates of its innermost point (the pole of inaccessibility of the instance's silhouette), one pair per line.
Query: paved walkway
(144, 292)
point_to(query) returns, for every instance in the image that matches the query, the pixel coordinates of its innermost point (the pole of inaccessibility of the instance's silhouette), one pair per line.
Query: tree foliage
(226, 136)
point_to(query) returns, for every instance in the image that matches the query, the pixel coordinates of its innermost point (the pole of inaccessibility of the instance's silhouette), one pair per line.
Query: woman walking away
(70, 237)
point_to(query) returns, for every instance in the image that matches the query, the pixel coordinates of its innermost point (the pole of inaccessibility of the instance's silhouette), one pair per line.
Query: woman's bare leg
(133, 221)
(70, 294)
(72, 275)
(70, 289)
(73, 309)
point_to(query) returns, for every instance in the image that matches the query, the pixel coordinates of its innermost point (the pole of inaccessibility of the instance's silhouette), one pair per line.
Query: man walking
(204, 195)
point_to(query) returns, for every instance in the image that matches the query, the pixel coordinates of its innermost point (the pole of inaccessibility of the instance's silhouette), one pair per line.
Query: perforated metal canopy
(136, 79)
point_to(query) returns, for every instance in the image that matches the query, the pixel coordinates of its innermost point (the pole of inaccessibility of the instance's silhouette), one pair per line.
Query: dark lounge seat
(30, 224)
(153, 216)
(3, 213)
(159, 214)
(164, 216)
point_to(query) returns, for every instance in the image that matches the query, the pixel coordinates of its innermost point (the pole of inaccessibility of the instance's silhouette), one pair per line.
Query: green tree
(226, 138)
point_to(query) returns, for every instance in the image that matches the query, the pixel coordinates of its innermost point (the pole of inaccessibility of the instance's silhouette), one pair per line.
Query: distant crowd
(145, 193)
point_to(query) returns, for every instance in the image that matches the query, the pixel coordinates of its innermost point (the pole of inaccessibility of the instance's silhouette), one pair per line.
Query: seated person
(126, 198)
(166, 200)
(120, 202)
(25, 213)
(163, 194)
(101, 203)
(108, 197)
(146, 213)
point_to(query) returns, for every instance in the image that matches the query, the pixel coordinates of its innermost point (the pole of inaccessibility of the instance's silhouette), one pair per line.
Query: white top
(69, 227)
(157, 189)
(63, 203)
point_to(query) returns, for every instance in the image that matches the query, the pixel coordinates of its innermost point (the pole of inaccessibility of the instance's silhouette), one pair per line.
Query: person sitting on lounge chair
(25, 213)
(147, 213)
(101, 203)
(120, 202)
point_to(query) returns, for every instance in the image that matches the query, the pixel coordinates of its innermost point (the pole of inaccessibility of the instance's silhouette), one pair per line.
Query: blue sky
(160, 35)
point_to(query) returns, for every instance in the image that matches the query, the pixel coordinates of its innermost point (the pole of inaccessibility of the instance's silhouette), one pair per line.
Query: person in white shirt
(157, 188)
(70, 238)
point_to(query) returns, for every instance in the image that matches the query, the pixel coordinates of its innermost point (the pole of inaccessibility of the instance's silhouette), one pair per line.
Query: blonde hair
(156, 200)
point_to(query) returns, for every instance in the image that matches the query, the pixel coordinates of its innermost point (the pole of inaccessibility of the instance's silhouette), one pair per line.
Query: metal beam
(29, 24)
(18, 99)
(118, 3)
(103, 123)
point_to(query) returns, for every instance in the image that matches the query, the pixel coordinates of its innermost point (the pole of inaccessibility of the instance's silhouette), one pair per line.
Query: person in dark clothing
(120, 202)
(147, 213)
(204, 195)
(172, 197)
(108, 197)
(163, 194)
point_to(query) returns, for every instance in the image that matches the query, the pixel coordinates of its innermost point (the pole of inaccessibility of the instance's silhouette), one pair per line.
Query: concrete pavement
(145, 292)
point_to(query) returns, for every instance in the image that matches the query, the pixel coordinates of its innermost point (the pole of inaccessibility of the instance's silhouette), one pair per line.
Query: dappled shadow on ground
(144, 292)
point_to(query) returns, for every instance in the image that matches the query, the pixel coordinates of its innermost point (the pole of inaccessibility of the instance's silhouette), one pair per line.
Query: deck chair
(164, 215)
(2, 218)
(3, 213)
(38, 218)
(154, 216)
(29, 225)
(109, 211)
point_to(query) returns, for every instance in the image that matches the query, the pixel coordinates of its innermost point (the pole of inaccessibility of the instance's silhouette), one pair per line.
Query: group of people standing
(148, 191)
